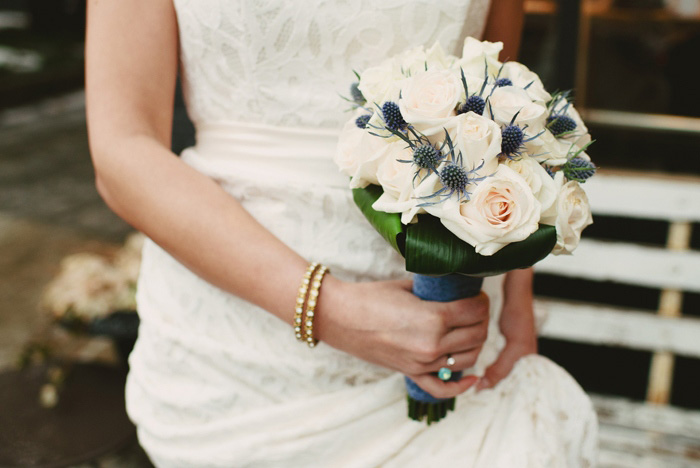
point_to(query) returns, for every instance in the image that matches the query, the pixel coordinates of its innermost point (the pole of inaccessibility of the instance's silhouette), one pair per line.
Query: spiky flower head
(560, 124)
(356, 94)
(548, 170)
(454, 177)
(474, 104)
(362, 121)
(501, 82)
(578, 169)
(426, 156)
(392, 116)
(512, 137)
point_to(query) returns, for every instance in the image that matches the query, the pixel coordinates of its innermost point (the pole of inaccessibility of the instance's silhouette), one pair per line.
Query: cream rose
(380, 82)
(573, 215)
(358, 154)
(396, 179)
(507, 101)
(478, 139)
(502, 210)
(476, 52)
(415, 60)
(541, 183)
(548, 150)
(522, 77)
(429, 99)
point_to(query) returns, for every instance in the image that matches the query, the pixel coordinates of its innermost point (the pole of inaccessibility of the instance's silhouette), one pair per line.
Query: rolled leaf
(431, 249)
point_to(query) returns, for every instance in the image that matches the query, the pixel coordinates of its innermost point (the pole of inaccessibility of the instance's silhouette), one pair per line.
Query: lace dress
(217, 382)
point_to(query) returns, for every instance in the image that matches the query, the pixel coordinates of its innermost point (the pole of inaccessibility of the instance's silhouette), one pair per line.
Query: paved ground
(49, 208)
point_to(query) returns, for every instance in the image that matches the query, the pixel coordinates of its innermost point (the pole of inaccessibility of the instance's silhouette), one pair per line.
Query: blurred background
(632, 66)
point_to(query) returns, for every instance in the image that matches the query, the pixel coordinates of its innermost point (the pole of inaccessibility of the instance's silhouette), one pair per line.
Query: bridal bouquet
(468, 167)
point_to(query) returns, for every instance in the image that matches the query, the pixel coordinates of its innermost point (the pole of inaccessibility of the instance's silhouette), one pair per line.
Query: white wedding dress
(218, 382)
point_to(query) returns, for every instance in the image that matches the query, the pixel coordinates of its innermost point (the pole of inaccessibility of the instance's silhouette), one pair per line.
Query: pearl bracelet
(311, 306)
(301, 298)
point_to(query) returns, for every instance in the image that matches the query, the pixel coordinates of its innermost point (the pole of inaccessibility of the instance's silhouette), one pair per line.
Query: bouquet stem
(422, 405)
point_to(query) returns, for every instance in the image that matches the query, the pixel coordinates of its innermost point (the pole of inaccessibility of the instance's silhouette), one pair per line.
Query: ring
(445, 373)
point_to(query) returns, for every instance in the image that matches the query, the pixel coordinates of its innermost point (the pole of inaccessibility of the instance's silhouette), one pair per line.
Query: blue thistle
(512, 137)
(579, 169)
(362, 121)
(503, 82)
(549, 170)
(454, 177)
(392, 116)
(356, 94)
(426, 156)
(560, 124)
(474, 104)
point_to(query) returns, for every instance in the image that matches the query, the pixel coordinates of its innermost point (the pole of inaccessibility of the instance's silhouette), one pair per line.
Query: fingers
(466, 312)
(502, 366)
(463, 360)
(463, 338)
(440, 389)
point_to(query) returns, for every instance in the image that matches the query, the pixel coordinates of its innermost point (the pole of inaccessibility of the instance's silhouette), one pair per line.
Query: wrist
(329, 305)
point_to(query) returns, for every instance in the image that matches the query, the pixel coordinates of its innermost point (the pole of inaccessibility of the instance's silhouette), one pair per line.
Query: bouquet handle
(422, 405)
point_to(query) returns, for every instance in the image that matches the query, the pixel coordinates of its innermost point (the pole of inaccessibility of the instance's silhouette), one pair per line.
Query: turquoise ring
(445, 373)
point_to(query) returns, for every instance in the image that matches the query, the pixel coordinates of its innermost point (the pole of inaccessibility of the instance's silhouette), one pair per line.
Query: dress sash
(231, 151)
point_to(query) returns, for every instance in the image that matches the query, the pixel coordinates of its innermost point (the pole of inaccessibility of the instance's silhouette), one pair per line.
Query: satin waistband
(232, 150)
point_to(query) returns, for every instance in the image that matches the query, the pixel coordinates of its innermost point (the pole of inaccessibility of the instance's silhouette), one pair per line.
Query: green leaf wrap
(431, 249)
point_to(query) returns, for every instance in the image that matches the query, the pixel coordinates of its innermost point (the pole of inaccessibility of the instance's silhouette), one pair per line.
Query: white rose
(549, 150)
(475, 53)
(396, 179)
(478, 139)
(376, 83)
(541, 183)
(502, 210)
(429, 99)
(523, 77)
(415, 60)
(358, 154)
(507, 101)
(573, 215)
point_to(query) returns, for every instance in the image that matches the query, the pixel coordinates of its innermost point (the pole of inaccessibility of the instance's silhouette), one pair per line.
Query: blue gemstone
(444, 374)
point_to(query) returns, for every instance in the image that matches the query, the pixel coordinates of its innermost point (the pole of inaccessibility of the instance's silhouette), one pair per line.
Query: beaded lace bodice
(286, 62)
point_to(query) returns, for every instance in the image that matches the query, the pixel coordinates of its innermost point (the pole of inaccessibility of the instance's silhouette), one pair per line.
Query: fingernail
(483, 383)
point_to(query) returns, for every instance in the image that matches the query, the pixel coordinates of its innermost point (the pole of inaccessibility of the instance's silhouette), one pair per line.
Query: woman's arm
(517, 321)
(505, 24)
(132, 60)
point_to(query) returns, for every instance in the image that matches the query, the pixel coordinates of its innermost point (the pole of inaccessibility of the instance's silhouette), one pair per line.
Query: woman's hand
(384, 323)
(517, 323)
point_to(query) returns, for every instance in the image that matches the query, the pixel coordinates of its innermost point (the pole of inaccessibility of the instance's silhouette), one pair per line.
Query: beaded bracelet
(301, 298)
(311, 306)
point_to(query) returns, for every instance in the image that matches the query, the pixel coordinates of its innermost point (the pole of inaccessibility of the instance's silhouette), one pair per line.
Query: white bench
(651, 433)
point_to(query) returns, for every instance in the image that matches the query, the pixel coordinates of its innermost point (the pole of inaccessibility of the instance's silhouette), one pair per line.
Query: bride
(217, 376)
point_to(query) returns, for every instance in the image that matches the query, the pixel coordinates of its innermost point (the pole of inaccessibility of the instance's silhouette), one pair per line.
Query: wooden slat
(617, 411)
(653, 267)
(631, 448)
(642, 121)
(645, 196)
(670, 305)
(585, 323)
(634, 435)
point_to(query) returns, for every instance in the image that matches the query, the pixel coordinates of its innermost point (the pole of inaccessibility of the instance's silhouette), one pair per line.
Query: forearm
(195, 220)
(517, 320)
(505, 24)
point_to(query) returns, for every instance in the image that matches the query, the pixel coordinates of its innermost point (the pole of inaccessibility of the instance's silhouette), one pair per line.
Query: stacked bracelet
(311, 306)
(301, 298)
